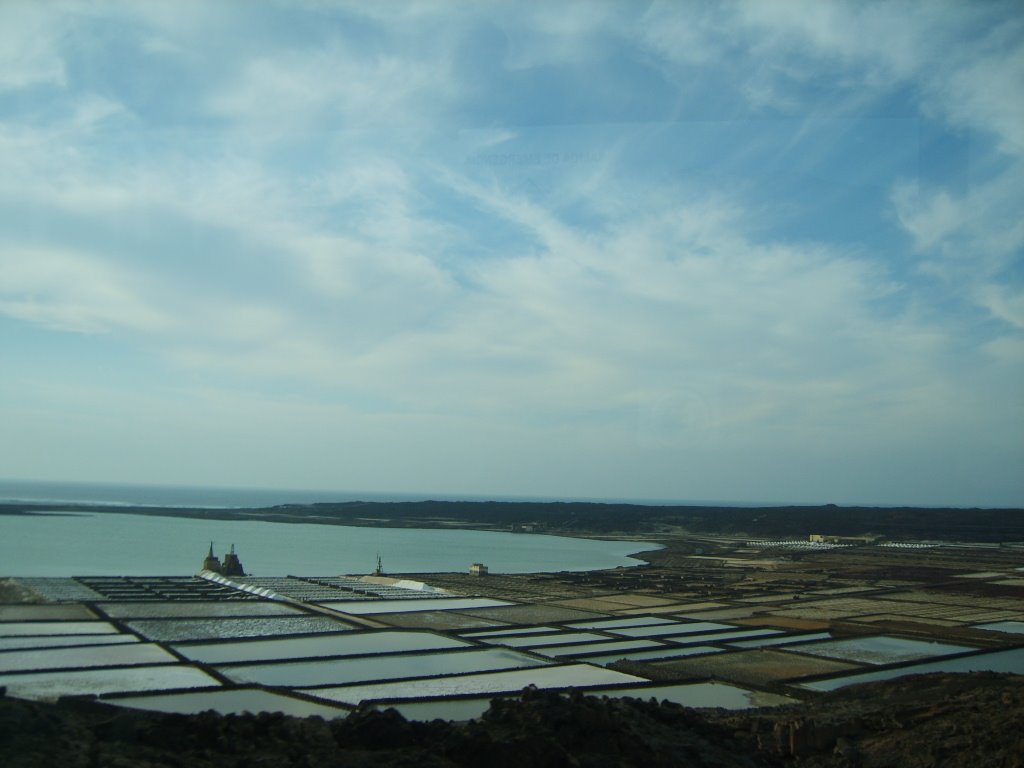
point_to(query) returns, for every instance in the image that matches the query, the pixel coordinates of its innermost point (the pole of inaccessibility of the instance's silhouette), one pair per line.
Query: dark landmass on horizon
(596, 518)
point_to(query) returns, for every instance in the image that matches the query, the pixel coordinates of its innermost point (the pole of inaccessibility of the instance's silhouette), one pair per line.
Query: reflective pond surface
(783, 640)
(1011, 660)
(181, 630)
(196, 609)
(92, 656)
(20, 629)
(880, 650)
(45, 613)
(229, 702)
(536, 641)
(379, 668)
(638, 621)
(339, 644)
(679, 628)
(42, 685)
(574, 675)
(360, 607)
(705, 695)
(1014, 627)
(480, 635)
(666, 652)
(719, 636)
(608, 647)
(58, 641)
(457, 710)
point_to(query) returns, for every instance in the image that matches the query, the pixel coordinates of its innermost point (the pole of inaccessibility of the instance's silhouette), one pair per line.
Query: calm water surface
(107, 543)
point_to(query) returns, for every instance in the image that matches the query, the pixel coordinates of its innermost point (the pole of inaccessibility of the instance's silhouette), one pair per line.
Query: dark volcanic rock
(948, 720)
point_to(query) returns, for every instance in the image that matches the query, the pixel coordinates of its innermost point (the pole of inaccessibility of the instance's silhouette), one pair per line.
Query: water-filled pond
(716, 637)
(338, 644)
(880, 650)
(1011, 660)
(58, 641)
(705, 695)
(480, 635)
(380, 667)
(359, 607)
(678, 627)
(537, 641)
(666, 652)
(1014, 627)
(91, 656)
(570, 675)
(608, 647)
(182, 630)
(229, 701)
(45, 612)
(762, 642)
(48, 685)
(21, 629)
(631, 621)
(444, 709)
(196, 609)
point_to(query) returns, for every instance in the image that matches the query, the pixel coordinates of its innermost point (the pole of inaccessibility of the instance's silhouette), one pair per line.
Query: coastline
(596, 520)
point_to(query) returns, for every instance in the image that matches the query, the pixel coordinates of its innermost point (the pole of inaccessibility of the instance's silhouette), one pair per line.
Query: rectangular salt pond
(608, 647)
(784, 640)
(59, 641)
(338, 644)
(1013, 627)
(359, 607)
(379, 667)
(663, 653)
(51, 685)
(456, 710)
(632, 621)
(183, 630)
(1011, 660)
(208, 609)
(92, 656)
(678, 628)
(702, 695)
(567, 676)
(716, 637)
(45, 613)
(23, 628)
(480, 635)
(537, 641)
(881, 649)
(228, 701)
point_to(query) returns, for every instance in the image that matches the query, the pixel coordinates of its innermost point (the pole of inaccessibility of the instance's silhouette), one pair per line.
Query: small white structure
(478, 569)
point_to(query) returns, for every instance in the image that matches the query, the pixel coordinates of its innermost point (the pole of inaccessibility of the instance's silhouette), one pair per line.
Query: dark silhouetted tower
(211, 563)
(232, 565)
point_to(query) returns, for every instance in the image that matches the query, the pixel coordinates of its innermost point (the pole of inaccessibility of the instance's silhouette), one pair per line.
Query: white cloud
(298, 242)
(30, 44)
(353, 90)
(964, 63)
(74, 291)
(1003, 302)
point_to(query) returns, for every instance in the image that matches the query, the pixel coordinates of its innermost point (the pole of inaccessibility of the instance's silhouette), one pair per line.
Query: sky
(736, 251)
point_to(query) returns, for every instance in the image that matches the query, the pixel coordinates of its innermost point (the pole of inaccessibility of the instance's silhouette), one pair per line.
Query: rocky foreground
(933, 720)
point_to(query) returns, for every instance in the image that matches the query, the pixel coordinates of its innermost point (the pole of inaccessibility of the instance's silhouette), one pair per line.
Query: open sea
(105, 542)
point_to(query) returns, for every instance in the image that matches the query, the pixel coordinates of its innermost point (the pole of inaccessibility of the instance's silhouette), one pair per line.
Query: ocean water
(223, 497)
(111, 543)
(119, 495)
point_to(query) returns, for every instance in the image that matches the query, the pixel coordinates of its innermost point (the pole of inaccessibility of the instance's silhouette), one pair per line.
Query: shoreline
(594, 520)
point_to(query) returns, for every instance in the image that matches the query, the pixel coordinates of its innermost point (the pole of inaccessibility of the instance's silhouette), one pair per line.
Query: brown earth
(933, 720)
